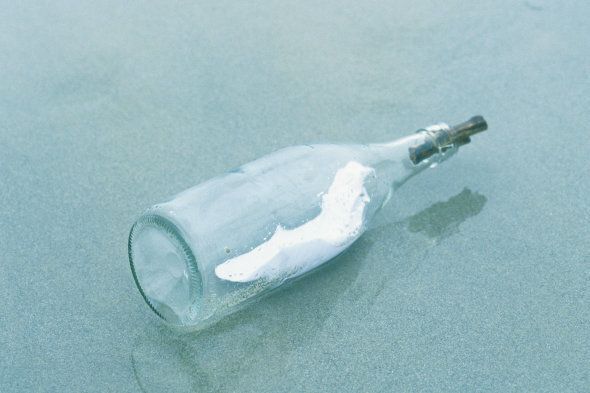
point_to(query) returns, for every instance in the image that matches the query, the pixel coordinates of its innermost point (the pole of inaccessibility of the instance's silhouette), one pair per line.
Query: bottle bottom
(164, 269)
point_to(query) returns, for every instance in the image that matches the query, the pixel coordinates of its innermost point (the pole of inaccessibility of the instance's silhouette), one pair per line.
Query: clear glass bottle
(217, 246)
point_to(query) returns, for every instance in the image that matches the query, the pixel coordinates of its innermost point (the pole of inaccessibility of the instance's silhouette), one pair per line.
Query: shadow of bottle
(263, 336)
(442, 219)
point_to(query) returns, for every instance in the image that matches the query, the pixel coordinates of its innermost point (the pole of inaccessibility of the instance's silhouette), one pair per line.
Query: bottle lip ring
(196, 284)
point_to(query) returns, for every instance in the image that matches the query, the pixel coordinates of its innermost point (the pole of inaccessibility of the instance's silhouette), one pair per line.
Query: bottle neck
(404, 158)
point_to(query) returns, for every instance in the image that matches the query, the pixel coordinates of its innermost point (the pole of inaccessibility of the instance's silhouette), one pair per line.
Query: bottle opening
(164, 269)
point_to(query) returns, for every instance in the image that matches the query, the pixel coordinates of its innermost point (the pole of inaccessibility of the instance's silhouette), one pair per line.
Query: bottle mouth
(165, 269)
(441, 137)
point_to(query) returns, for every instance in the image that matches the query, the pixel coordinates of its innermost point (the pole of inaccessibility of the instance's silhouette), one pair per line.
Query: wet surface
(475, 278)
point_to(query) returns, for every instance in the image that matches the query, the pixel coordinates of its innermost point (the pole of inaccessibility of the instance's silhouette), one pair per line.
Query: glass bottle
(215, 247)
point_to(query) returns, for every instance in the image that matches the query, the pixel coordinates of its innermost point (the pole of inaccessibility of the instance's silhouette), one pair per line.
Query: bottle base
(164, 269)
